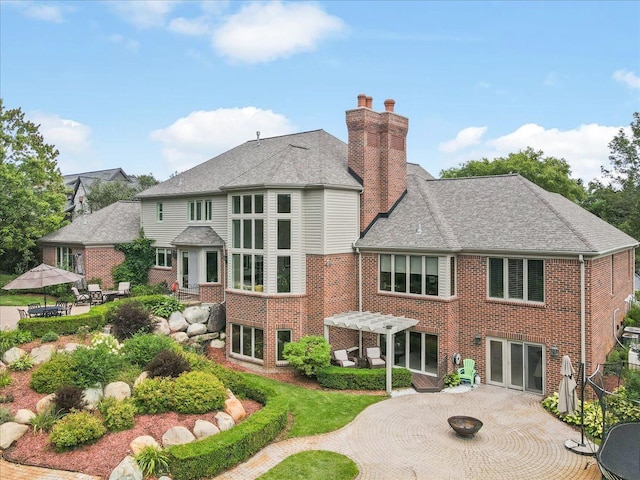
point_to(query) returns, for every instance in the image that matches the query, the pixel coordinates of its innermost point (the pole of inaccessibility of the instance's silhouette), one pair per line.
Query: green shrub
(152, 461)
(13, 338)
(44, 422)
(129, 317)
(5, 379)
(6, 398)
(163, 306)
(141, 348)
(22, 364)
(5, 415)
(96, 366)
(632, 319)
(105, 340)
(145, 290)
(632, 383)
(167, 363)
(49, 376)
(153, 395)
(129, 374)
(451, 379)
(77, 428)
(340, 378)
(68, 398)
(308, 355)
(50, 336)
(618, 354)
(94, 319)
(117, 415)
(197, 392)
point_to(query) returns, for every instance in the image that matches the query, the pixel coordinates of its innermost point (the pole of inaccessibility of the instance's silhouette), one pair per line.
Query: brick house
(303, 234)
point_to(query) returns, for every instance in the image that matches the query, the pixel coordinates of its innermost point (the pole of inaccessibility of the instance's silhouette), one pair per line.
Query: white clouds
(202, 134)
(71, 138)
(46, 12)
(144, 13)
(585, 148)
(191, 27)
(262, 32)
(627, 77)
(465, 138)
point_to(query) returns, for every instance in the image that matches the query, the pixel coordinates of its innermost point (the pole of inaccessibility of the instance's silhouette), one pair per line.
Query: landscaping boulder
(92, 397)
(196, 329)
(127, 469)
(177, 436)
(45, 404)
(42, 354)
(180, 337)
(140, 443)
(10, 432)
(197, 314)
(117, 390)
(217, 318)
(23, 416)
(141, 378)
(224, 421)
(162, 326)
(13, 354)
(203, 429)
(177, 323)
(217, 343)
(70, 347)
(234, 407)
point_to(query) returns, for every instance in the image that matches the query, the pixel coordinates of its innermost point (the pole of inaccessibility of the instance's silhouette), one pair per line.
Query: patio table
(49, 311)
(110, 295)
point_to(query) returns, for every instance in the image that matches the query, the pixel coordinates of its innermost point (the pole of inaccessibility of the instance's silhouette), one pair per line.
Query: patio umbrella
(567, 397)
(40, 277)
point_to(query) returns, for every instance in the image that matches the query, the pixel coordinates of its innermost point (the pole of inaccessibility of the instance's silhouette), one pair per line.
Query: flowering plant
(107, 341)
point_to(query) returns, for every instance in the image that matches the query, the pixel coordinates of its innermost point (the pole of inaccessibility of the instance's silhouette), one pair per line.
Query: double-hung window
(415, 274)
(247, 242)
(64, 258)
(247, 341)
(516, 279)
(284, 242)
(163, 257)
(199, 210)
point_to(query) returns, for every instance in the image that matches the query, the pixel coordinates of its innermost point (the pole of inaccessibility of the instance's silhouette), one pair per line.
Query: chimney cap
(389, 104)
(362, 100)
(369, 102)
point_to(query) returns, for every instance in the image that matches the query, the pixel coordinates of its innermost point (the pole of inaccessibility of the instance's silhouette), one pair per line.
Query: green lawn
(12, 298)
(313, 465)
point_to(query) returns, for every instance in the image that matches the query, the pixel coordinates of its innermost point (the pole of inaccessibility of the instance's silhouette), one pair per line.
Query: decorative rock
(23, 416)
(217, 343)
(127, 469)
(234, 407)
(117, 390)
(180, 337)
(140, 443)
(196, 329)
(3, 367)
(141, 378)
(10, 432)
(224, 421)
(177, 323)
(45, 404)
(162, 326)
(203, 429)
(196, 314)
(217, 318)
(13, 354)
(177, 436)
(223, 335)
(42, 354)
(164, 477)
(92, 397)
(70, 347)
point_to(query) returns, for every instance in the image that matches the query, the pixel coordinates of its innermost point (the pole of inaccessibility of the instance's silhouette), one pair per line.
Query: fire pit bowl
(465, 426)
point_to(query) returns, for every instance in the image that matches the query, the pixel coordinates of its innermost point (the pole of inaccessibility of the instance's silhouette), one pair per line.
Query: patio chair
(23, 313)
(342, 359)
(79, 298)
(34, 305)
(468, 371)
(123, 289)
(374, 358)
(96, 297)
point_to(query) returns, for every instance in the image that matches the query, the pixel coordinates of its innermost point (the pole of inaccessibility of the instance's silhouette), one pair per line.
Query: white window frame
(159, 212)
(64, 257)
(525, 280)
(167, 255)
(200, 210)
(240, 252)
(278, 348)
(241, 352)
(407, 272)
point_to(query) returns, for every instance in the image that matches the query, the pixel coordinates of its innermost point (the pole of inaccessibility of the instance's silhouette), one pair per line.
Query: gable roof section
(117, 223)
(104, 175)
(503, 213)
(200, 235)
(302, 159)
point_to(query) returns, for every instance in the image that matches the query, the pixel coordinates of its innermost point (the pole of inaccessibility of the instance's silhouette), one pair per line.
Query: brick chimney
(377, 157)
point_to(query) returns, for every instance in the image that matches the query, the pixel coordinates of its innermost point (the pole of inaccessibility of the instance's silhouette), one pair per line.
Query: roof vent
(419, 230)
(258, 137)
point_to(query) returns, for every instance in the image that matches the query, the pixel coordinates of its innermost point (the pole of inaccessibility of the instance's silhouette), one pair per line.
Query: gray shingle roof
(504, 213)
(309, 158)
(117, 223)
(200, 235)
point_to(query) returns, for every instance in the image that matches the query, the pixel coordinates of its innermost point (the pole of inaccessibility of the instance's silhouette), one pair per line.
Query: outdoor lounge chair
(123, 289)
(23, 313)
(79, 298)
(374, 359)
(341, 358)
(95, 294)
(468, 371)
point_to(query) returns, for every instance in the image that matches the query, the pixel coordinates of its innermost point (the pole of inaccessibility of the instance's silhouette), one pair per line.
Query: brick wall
(99, 262)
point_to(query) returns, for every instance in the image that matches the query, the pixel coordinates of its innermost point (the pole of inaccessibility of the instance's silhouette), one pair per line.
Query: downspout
(359, 279)
(226, 270)
(583, 320)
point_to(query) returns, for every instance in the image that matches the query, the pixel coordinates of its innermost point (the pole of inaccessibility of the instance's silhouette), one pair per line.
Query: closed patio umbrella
(567, 396)
(40, 277)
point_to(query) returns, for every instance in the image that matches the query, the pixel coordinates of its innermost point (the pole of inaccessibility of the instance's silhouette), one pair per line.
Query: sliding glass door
(517, 365)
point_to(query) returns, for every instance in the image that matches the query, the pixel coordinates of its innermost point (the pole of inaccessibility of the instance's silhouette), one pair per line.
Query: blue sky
(158, 87)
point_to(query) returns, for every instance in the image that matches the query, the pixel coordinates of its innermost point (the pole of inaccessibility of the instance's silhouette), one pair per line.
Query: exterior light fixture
(554, 351)
(477, 339)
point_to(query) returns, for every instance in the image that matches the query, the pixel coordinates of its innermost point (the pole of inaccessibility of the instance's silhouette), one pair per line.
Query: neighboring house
(79, 185)
(298, 234)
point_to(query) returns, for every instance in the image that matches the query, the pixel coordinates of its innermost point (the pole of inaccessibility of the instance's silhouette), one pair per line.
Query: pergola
(375, 323)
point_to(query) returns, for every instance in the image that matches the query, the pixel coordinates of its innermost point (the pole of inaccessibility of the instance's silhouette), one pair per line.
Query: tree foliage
(552, 174)
(308, 355)
(139, 257)
(102, 194)
(32, 197)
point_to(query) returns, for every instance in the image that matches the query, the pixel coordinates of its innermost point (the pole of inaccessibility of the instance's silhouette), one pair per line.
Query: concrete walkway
(408, 437)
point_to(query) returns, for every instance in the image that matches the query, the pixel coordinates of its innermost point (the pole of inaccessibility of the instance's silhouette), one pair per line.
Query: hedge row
(215, 454)
(341, 378)
(65, 325)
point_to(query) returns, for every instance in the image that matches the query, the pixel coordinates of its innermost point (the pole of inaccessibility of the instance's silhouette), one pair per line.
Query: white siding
(443, 277)
(313, 228)
(341, 220)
